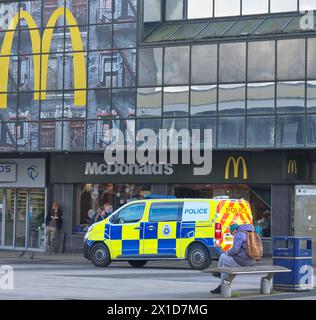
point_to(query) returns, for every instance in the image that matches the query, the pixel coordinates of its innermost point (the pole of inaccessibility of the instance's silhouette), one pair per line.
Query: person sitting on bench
(236, 256)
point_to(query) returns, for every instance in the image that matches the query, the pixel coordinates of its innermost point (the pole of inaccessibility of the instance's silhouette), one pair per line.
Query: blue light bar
(158, 196)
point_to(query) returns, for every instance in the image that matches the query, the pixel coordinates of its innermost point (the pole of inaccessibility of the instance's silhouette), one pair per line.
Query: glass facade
(72, 70)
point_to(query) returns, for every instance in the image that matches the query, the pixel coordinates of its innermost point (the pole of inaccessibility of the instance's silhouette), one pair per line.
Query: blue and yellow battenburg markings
(163, 238)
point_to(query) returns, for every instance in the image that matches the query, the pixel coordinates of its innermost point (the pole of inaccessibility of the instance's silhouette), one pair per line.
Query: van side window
(169, 211)
(130, 214)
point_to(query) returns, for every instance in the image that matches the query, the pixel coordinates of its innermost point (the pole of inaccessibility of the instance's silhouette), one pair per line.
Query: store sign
(7, 172)
(22, 173)
(95, 168)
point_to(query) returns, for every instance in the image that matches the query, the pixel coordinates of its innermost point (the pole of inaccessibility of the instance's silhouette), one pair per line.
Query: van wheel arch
(99, 248)
(198, 248)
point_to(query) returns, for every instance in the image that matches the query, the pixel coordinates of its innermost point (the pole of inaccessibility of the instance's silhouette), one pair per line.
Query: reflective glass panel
(311, 96)
(261, 97)
(231, 132)
(260, 131)
(261, 61)
(311, 130)
(283, 5)
(174, 9)
(232, 62)
(203, 124)
(255, 6)
(291, 59)
(149, 66)
(290, 97)
(200, 9)
(176, 69)
(204, 64)
(176, 101)
(307, 4)
(152, 10)
(149, 102)
(231, 99)
(227, 8)
(311, 58)
(203, 100)
(290, 131)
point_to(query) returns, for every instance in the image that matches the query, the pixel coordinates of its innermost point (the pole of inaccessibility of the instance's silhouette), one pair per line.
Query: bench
(265, 286)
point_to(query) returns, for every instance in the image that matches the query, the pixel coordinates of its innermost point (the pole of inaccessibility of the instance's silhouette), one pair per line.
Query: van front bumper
(86, 250)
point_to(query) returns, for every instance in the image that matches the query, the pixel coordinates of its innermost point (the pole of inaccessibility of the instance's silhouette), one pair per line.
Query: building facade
(73, 70)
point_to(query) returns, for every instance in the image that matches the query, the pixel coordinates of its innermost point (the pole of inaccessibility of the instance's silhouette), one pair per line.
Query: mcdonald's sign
(292, 167)
(236, 164)
(41, 50)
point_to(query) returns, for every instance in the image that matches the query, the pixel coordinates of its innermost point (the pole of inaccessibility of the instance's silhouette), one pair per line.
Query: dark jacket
(238, 251)
(59, 221)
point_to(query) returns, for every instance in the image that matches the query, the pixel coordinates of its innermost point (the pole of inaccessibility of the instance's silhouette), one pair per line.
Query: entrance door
(305, 214)
(22, 214)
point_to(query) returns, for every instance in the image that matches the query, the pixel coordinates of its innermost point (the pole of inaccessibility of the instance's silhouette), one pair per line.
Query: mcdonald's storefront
(268, 180)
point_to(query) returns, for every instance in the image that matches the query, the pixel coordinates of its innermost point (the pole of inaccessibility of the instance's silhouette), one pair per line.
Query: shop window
(91, 197)
(131, 214)
(165, 212)
(259, 199)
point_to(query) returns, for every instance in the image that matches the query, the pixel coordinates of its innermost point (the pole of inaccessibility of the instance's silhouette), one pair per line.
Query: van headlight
(87, 233)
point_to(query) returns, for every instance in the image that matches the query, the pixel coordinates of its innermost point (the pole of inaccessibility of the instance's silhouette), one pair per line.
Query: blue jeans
(226, 261)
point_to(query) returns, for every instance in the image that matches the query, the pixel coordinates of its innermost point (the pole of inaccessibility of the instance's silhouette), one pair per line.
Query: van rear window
(169, 211)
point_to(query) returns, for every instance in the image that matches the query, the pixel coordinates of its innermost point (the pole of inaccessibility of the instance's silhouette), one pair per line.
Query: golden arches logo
(236, 164)
(292, 167)
(41, 51)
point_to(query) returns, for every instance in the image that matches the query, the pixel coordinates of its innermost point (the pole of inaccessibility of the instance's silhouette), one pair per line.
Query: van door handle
(137, 228)
(151, 228)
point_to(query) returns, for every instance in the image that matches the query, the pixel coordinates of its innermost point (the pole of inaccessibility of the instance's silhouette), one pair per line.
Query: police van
(196, 230)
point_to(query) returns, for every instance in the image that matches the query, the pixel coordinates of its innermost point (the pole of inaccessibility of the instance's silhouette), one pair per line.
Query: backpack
(254, 246)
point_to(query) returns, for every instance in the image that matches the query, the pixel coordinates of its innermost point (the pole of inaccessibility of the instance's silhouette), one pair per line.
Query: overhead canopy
(208, 29)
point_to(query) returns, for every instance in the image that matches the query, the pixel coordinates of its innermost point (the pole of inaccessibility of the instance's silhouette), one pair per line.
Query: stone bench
(265, 286)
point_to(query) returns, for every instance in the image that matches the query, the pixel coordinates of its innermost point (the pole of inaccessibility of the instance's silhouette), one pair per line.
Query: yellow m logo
(236, 164)
(292, 167)
(41, 51)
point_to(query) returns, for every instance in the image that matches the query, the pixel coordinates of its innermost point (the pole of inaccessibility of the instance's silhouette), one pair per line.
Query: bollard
(226, 289)
(265, 286)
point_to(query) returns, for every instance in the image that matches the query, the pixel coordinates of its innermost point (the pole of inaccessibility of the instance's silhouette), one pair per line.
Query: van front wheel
(100, 255)
(137, 263)
(199, 257)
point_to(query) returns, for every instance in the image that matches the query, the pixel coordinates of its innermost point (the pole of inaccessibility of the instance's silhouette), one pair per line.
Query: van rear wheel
(100, 255)
(199, 257)
(137, 263)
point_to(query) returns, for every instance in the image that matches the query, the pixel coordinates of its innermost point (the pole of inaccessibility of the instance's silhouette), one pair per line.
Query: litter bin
(294, 253)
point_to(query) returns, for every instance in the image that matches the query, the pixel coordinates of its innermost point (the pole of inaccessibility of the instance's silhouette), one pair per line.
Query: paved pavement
(70, 276)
